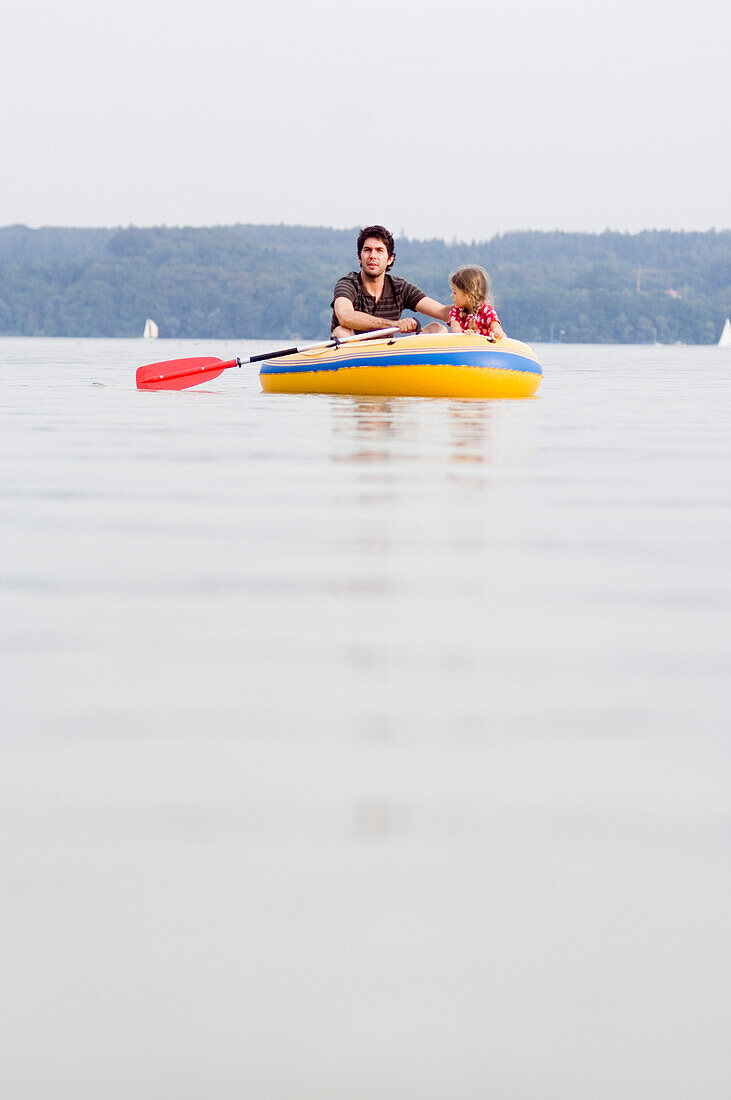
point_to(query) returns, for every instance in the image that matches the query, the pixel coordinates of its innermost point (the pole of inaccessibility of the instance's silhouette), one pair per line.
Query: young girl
(472, 311)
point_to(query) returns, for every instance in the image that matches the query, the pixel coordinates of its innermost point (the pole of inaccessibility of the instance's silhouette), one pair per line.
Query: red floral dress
(484, 317)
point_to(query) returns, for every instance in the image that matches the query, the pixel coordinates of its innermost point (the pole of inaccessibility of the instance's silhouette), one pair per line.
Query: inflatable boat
(441, 365)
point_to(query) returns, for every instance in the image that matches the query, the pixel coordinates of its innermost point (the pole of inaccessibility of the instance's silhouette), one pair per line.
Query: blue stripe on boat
(500, 360)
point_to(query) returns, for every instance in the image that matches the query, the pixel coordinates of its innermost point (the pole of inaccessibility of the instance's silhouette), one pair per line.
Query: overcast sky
(439, 120)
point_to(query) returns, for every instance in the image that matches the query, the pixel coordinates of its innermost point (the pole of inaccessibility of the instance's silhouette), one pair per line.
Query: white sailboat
(151, 330)
(725, 337)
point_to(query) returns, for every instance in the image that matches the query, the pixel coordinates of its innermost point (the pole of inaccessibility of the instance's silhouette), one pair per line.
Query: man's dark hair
(382, 234)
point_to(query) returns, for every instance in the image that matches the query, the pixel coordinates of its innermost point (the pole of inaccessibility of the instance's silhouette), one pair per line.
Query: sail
(725, 339)
(151, 330)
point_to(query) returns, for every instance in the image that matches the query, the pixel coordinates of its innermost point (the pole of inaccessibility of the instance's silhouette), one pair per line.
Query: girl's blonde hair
(473, 281)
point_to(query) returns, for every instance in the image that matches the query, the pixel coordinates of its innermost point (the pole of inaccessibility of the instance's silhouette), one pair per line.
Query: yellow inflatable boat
(442, 365)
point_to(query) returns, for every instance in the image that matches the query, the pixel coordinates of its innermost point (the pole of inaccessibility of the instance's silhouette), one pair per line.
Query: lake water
(361, 748)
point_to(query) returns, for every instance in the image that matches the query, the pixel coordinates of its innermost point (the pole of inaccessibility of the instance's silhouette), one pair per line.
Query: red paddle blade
(180, 374)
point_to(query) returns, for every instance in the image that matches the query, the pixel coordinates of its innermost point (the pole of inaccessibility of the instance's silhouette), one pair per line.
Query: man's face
(374, 257)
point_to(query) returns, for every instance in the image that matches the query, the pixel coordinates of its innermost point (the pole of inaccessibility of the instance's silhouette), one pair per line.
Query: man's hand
(406, 324)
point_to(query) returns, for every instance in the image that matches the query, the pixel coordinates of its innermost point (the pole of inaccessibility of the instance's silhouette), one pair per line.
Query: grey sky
(439, 120)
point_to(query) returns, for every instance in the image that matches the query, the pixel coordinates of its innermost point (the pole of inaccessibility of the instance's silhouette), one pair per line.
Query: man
(370, 299)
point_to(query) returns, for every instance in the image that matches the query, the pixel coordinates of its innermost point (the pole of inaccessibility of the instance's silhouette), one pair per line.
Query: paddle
(181, 374)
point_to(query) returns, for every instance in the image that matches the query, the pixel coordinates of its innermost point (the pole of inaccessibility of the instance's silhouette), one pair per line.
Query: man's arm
(365, 322)
(433, 309)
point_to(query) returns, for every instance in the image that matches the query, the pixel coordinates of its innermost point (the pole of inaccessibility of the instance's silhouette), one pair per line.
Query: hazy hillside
(276, 281)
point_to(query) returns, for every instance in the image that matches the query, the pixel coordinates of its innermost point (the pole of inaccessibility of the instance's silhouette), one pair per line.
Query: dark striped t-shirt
(397, 296)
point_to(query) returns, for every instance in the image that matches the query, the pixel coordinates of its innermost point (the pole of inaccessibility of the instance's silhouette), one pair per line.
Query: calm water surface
(360, 748)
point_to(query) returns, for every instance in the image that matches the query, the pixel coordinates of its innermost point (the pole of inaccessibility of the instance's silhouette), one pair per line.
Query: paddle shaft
(333, 343)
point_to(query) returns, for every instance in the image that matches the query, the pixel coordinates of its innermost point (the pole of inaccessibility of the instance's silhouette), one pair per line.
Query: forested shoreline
(271, 282)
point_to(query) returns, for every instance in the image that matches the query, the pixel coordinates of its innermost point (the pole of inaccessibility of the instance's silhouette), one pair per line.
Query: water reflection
(369, 422)
(380, 428)
(376, 817)
(472, 426)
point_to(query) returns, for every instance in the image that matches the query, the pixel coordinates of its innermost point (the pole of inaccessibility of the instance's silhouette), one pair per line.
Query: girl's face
(459, 297)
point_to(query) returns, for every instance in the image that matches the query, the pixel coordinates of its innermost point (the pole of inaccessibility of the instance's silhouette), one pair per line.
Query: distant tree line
(276, 281)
